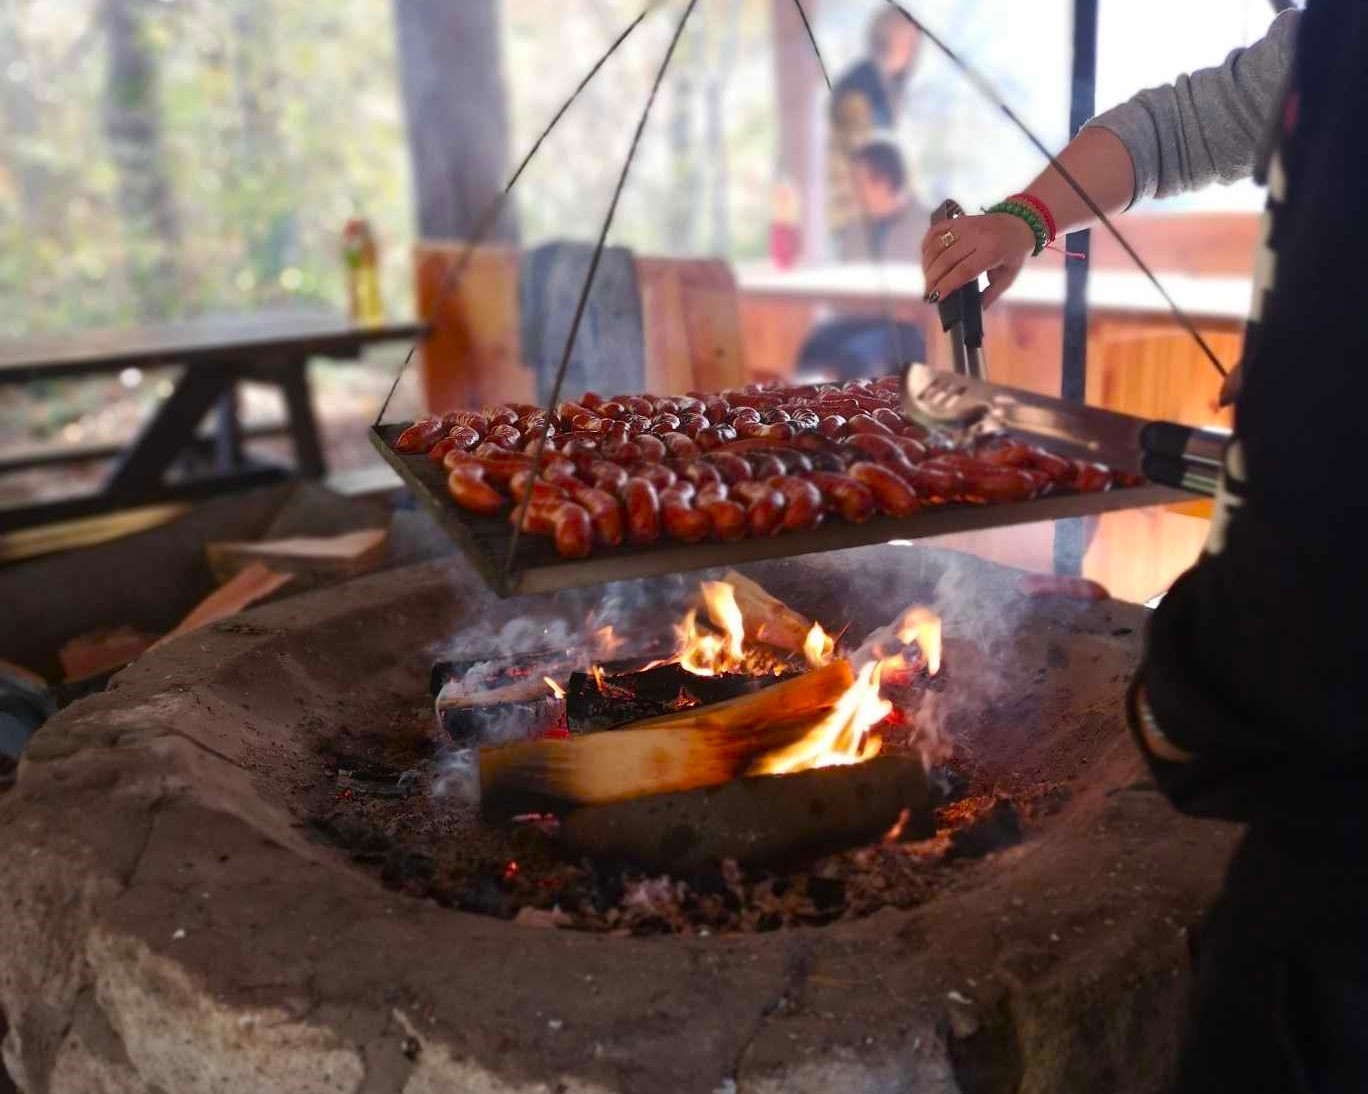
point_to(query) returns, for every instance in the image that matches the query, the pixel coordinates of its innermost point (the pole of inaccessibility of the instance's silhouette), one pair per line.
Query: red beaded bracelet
(1041, 208)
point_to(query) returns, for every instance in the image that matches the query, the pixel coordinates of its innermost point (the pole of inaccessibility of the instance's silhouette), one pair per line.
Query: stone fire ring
(169, 927)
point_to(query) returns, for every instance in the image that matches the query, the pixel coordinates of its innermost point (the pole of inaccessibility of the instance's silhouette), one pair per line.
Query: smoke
(982, 621)
(458, 776)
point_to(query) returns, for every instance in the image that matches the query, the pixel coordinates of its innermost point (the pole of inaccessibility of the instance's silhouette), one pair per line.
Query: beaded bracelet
(1026, 213)
(1040, 207)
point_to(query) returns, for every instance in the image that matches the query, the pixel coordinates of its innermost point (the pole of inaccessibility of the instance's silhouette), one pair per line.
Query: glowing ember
(556, 689)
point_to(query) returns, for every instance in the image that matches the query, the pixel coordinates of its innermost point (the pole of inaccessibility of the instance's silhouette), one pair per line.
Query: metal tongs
(961, 313)
(962, 403)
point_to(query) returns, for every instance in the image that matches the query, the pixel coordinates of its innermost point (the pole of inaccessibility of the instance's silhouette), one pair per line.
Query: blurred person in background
(1202, 129)
(866, 103)
(891, 221)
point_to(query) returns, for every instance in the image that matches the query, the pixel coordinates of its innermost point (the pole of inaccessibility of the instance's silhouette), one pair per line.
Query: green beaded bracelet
(1024, 212)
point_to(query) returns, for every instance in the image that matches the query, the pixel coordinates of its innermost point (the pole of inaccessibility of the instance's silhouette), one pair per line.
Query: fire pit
(219, 876)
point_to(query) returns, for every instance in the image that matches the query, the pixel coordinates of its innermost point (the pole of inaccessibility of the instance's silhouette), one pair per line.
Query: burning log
(766, 618)
(701, 746)
(765, 821)
(520, 711)
(598, 700)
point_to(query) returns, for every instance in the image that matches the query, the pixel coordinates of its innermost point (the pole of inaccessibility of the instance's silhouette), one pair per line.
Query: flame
(818, 646)
(606, 641)
(923, 626)
(597, 672)
(848, 734)
(719, 645)
(556, 689)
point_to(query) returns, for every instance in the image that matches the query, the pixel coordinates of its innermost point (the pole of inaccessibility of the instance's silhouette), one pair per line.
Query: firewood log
(772, 820)
(767, 619)
(701, 746)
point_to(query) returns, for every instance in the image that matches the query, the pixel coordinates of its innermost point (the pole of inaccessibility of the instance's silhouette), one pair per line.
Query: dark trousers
(1280, 1004)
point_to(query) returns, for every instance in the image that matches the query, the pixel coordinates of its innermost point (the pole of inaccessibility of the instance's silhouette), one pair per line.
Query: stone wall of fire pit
(170, 925)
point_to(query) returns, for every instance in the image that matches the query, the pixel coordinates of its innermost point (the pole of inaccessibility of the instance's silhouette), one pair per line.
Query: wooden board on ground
(346, 555)
(103, 651)
(254, 583)
(536, 568)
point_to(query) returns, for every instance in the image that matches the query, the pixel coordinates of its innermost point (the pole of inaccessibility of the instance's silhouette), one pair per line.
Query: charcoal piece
(947, 785)
(631, 696)
(770, 820)
(503, 668)
(489, 724)
(996, 829)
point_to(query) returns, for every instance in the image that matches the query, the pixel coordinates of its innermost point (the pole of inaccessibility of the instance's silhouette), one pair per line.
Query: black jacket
(1257, 660)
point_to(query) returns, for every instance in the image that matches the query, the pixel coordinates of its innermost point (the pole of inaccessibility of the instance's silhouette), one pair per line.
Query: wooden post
(798, 89)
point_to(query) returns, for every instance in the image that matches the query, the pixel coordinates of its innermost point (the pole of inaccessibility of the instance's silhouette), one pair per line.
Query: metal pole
(1073, 379)
(1070, 536)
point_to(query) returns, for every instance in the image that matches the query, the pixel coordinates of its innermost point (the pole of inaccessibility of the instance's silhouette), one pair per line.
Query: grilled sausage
(652, 447)
(728, 517)
(467, 487)
(894, 496)
(607, 476)
(565, 521)
(505, 436)
(1092, 478)
(802, 502)
(853, 500)
(682, 521)
(420, 436)
(732, 467)
(642, 504)
(764, 507)
(657, 474)
(865, 423)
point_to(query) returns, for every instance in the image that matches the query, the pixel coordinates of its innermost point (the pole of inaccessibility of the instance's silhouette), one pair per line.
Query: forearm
(1099, 162)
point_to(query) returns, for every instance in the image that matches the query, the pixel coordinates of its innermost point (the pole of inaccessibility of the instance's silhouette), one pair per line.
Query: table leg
(171, 430)
(294, 383)
(228, 437)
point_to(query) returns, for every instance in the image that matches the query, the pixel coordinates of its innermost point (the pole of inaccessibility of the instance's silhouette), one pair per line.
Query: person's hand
(994, 243)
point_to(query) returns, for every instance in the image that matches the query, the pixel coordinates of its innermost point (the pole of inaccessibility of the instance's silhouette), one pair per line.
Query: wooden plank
(473, 355)
(692, 325)
(346, 555)
(538, 569)
(86, 532)
(102, 651)
(192, 342)
(253, 584)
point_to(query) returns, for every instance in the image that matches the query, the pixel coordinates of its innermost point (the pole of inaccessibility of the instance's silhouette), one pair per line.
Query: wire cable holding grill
(988, 92)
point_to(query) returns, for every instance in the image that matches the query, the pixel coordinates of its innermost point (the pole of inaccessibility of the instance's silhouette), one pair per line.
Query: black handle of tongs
(1182, 456)
(961, 313)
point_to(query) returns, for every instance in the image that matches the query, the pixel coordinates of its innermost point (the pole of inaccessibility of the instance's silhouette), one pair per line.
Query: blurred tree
(133, 128)
(451, 74)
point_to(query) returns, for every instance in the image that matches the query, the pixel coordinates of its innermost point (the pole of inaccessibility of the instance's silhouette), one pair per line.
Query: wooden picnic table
(215, 356)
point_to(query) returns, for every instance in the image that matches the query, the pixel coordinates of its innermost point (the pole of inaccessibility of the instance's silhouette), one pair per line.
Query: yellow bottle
(362, 258)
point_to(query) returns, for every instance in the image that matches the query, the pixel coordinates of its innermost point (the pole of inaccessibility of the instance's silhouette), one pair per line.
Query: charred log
(595, 702)
(772, 820)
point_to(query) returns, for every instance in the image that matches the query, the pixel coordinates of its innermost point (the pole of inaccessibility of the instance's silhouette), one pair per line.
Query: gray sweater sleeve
(1206, 127)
